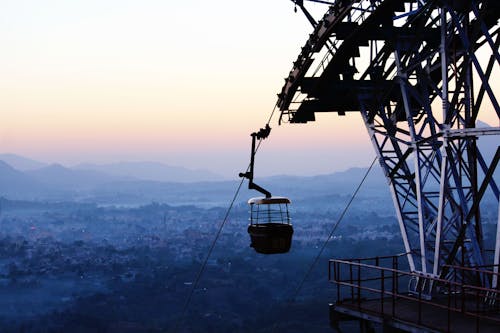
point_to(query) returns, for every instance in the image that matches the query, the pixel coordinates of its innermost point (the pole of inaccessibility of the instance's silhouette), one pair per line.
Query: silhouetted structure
(270, 229)
(419, 72)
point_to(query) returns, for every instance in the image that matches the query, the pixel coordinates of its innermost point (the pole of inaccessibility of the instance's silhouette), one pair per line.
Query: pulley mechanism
(270, 229)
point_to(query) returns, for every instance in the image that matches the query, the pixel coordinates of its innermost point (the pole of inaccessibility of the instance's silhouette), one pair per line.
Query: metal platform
(377, 294)
(406, 316)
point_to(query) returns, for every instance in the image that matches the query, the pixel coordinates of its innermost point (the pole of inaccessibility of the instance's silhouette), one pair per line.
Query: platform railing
(380, 280)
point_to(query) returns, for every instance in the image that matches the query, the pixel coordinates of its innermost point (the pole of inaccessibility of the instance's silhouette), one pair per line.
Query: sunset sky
(180, 82)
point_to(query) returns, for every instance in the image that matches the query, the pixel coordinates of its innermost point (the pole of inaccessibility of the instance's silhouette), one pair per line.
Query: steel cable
(214, 242)
(325, 243)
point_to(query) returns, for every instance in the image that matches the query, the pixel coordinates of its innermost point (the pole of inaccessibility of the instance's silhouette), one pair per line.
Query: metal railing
(380, 282)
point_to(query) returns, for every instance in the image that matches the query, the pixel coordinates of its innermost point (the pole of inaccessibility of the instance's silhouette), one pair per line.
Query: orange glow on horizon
(97, 80)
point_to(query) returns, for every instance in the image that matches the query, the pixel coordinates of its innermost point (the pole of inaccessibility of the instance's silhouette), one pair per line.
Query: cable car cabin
(270, 229)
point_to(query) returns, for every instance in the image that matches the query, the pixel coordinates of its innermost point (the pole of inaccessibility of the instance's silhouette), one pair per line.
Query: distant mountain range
(143, 182)
(58, 176)
(21, 163)
(14, 182)
(98, 173)
(152, 171)
(136, 183)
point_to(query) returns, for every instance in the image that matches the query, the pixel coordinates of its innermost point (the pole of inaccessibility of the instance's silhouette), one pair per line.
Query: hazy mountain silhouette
(56, 182)
(18, 185)
(133, 183)
(154, 171)
(21, 163)
(218, 193)
(342, 182)
(58, 176)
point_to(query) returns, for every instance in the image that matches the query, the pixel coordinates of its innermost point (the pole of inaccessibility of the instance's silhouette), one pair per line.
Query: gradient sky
(180, 82)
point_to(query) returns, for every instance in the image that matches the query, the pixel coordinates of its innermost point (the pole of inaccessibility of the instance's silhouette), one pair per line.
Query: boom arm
(260, 135)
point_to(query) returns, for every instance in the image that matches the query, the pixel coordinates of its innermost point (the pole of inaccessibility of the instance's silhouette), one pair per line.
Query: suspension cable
(216, 238)
(325, 243)
(204, 264)
(269, 120)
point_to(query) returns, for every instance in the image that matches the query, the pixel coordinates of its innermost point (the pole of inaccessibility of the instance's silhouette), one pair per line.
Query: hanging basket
(270, 229)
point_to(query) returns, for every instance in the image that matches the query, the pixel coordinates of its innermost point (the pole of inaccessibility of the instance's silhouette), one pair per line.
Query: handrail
(374, 258)
(417, 274)
(469, 300)
(475, 269)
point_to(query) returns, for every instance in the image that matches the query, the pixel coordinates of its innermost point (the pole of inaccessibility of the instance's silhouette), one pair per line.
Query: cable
(203, 266)
(325, 243)
(270, 117)
(214, 242)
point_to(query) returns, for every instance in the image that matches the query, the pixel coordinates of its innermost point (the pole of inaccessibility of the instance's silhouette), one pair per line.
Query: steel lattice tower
(420, 73)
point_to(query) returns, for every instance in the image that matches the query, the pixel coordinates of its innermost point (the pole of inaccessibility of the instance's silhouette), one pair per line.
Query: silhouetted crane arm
(262, 134)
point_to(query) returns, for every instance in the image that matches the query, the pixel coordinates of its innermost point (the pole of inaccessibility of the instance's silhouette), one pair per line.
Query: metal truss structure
(419, 72)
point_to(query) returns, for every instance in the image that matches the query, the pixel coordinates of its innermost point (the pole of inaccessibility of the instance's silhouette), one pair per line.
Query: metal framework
(412, 69)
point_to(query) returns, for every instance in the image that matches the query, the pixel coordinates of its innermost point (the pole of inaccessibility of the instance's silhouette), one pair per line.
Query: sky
(179, 82)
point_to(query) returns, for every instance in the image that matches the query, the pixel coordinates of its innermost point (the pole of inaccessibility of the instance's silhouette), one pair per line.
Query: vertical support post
(359, 285)
(397, 275)
(444, 161)
(419, 303)
(462, 296)
(394, 290)
(382, 272)
(336, 273)
(371, 131)
(477, 310)
(351, 281)
(496, 259)
(444, 66)
(441, 204)
(449, 308)
(416, 151)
